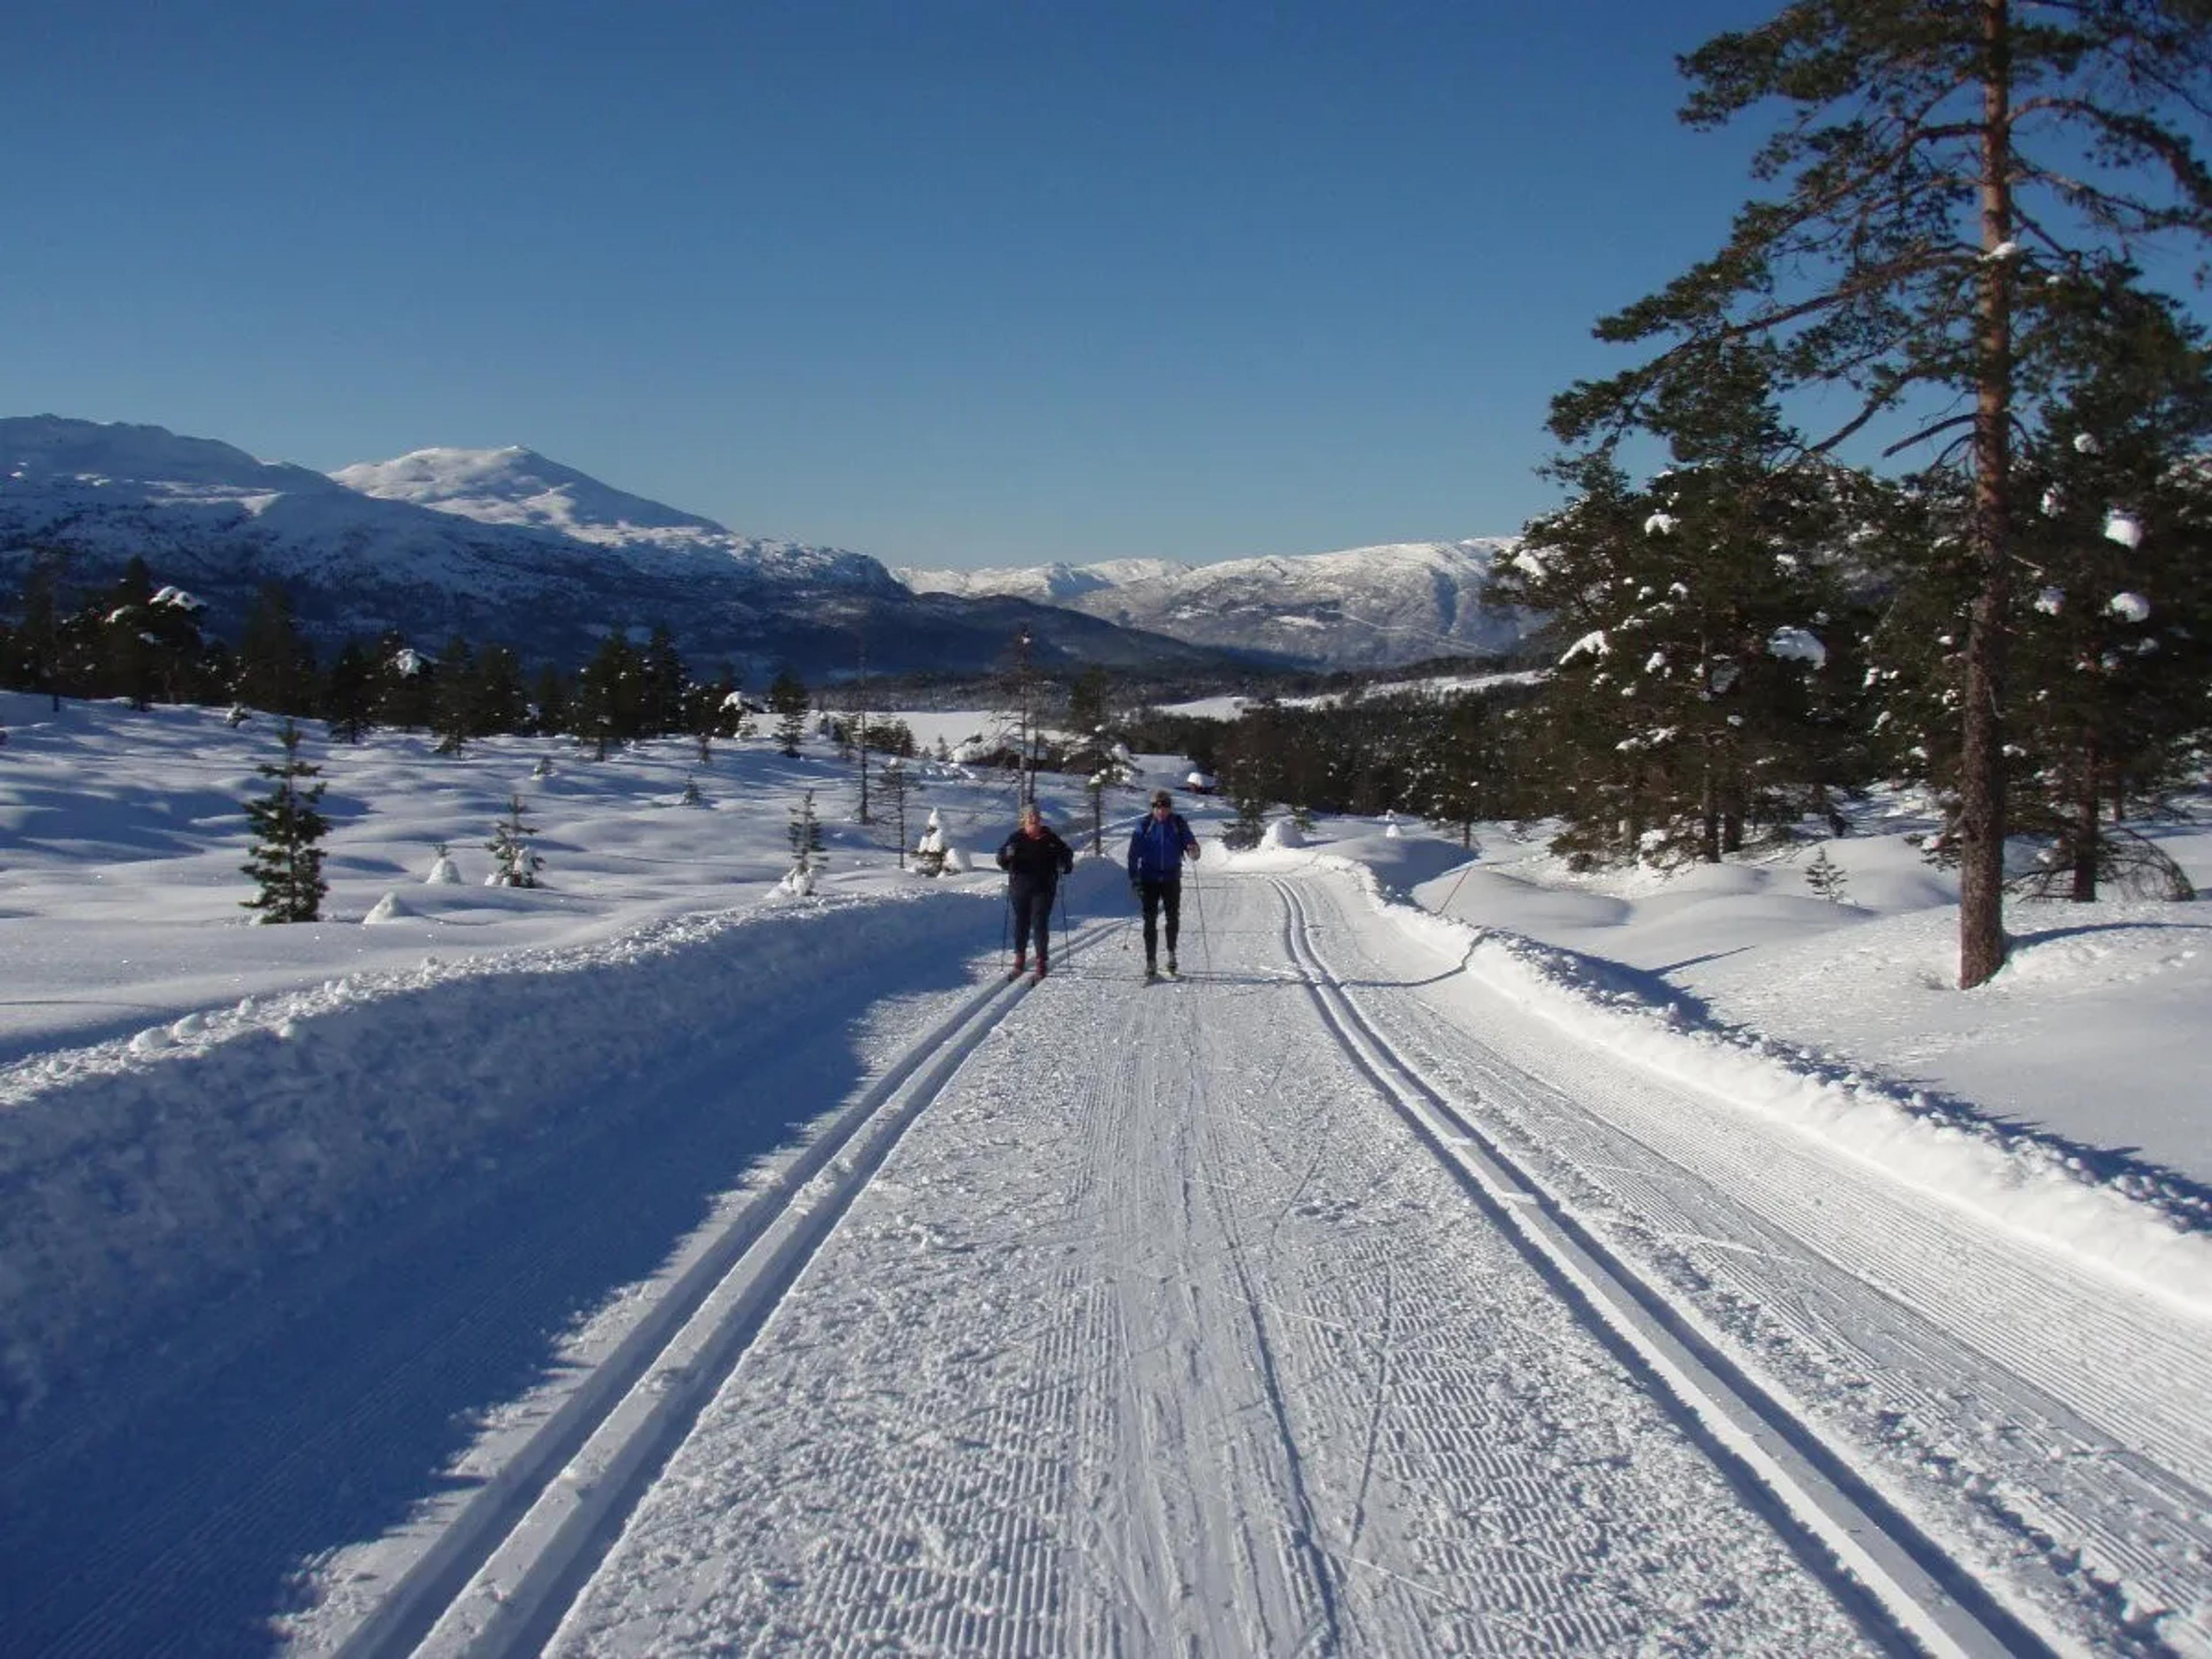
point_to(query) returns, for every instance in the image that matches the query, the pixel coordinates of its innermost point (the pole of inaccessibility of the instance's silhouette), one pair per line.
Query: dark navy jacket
(1035, 864)
(1156, 850)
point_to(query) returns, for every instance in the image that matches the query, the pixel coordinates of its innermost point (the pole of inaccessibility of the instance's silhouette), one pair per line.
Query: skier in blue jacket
(1161, 842)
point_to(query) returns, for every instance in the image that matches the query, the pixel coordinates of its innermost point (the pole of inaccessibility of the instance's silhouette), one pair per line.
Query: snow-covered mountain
(496, 545)
(1047, 584)
(1366, 607)
(521, 488)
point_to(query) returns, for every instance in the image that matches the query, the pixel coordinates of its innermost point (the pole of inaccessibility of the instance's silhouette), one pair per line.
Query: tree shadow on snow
(2182, 1198)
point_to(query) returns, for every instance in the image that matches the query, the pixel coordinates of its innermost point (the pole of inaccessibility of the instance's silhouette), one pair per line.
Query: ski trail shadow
(2182, 1198)
(170, 1502)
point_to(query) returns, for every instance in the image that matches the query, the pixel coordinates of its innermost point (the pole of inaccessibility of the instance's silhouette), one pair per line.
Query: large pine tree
(1955, 172)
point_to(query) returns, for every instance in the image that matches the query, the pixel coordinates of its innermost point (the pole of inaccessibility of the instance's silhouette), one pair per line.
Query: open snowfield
(1462, 1257)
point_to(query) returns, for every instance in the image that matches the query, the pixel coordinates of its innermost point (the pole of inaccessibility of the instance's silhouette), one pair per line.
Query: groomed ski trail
(1160, 1332)
(1324, 1300)
(2043, 1426)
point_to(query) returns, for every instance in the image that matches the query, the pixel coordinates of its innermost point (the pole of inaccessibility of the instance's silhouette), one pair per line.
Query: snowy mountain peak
(521, 490)
(518, 486)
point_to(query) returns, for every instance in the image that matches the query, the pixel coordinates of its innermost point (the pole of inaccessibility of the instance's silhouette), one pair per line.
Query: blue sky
(949, 283)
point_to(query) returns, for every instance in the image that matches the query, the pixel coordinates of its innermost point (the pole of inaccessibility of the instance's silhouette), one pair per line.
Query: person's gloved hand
(1137, 891)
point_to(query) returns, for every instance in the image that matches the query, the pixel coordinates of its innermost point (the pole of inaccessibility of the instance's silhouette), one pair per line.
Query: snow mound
(150, 1172)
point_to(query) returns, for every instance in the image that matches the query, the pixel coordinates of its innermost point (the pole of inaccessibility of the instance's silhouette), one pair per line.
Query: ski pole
(1198, 908)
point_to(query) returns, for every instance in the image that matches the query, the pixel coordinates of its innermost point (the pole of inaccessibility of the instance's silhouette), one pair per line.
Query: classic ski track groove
(1871, 1543)
(1736, 1214)
(494, 1579)
(1049, 1431)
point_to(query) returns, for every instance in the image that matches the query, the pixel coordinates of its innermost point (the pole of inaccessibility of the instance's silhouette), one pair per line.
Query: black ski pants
(1032, 918)
(1156, 896)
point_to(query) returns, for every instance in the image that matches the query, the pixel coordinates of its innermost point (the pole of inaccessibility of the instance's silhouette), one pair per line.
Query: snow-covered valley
(1462, 1256)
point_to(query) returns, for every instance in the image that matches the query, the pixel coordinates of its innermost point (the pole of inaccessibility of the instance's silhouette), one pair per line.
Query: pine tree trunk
(1709, 815)
(1981, 760)
(2086, 831)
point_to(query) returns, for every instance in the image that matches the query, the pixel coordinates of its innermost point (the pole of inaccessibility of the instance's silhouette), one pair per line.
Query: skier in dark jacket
(1157, 849)
(1034, 859)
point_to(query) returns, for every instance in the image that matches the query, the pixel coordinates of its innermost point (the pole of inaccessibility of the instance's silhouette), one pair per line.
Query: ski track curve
(1160, 1332)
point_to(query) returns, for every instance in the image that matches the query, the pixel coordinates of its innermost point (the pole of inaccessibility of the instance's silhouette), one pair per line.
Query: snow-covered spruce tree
(145, 641)
(1241, 782)
(804, 834)
(31, 659)
(1463, 777)
(551, 693)
(287, 856)
(663, 683)
(349, 695)
(787, 701)
(713, 710)
(1097, 758)
(499, 695)
(515, 862)
(1826, 879)
(453, 713)
(275, 662)
(1693, 694)
(606, 707)
(1951, 169)
(406, 684)
(2106, 631)
(929, 851)
(2113, 659)
(1352, 752)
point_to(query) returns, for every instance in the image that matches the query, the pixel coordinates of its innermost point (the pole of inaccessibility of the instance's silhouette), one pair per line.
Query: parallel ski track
(2080, 1470)
(1901, 1581)
(498, 1577)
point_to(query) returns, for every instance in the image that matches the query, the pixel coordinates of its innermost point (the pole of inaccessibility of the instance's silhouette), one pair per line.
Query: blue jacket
(1158, 847)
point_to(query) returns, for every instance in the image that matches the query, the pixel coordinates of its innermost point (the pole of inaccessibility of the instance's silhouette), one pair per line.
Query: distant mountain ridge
(496, 545)
(1047, 584)
(1365, 607)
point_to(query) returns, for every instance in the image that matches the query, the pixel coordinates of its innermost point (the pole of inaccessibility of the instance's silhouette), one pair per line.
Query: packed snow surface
(652, 1261)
